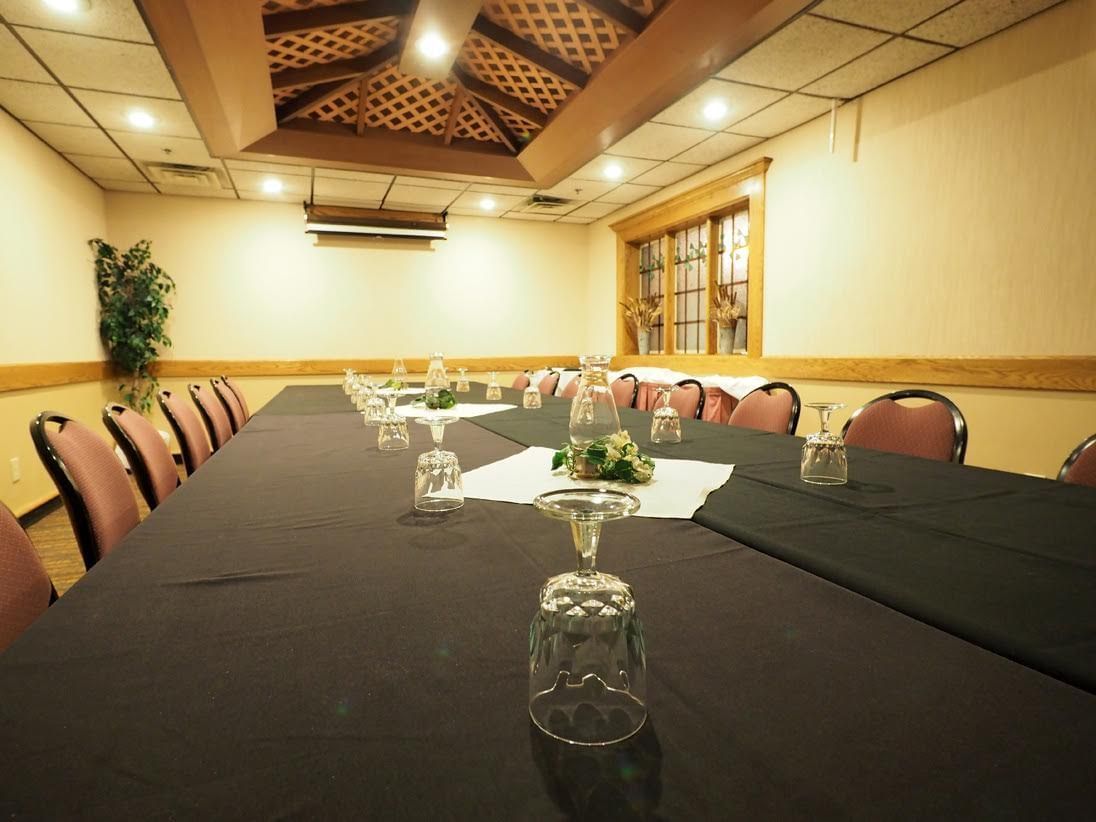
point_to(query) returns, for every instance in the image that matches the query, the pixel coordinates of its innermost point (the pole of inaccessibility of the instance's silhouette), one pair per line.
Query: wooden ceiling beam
(500, 125)
(454, 113)
(449, 20)
(314, 97)
(496, 97)
(616, 12)
(530, 52)
(325, 17)
(336, 69)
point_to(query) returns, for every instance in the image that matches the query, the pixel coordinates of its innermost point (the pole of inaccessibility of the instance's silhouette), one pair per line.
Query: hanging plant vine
(133, 310)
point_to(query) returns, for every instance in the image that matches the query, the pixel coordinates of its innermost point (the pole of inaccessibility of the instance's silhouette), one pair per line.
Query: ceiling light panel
(470, 200)
(112, 111)
(741, 101)
(296, 186)
(631, 167)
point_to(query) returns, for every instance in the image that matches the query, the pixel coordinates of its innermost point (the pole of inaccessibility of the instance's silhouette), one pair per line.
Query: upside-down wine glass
(348, 380)
(593, 412)
(373, 410)
(438, 483)
(392, 434)
(494, 391)
(824, 461)
(587, 659)
(462, 380)
(399, 370)
(665, 421)
(530, 397)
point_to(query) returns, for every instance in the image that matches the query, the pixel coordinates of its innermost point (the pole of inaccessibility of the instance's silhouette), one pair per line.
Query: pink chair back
(188, 430)
(624, 390)
(238, 390)
(231, 404)
(213, 415)
(146, 452)
(571, 389)
(773, 407)
(1080, 468)
(548, 383)
(25, 588)
(92, 483)
(521, 382)
(935, 431)
(687, 400)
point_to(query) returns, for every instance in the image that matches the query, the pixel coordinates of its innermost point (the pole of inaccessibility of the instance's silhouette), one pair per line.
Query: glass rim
(551, 504)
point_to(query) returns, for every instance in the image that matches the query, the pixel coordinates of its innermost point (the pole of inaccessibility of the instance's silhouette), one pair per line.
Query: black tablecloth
(284, 637)
(1003, 560)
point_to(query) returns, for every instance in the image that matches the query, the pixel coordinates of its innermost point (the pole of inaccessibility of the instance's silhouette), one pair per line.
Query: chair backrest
(772, 407)
(688, 399)
(521, 382)
(1080, 466)
(238, 390)
(92, 483)
(146, 452)
(935, 431)
(571, 389)
(25, 587)
(187, 428)
(625, 388)
(230, 403)
(549, 382)
(213, 414)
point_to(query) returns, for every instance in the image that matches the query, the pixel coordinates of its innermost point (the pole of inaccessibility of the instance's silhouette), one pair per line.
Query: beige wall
(253, 285)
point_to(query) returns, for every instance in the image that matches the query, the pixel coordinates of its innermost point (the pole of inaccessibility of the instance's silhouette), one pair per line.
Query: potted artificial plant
(726, 313)
(642, 312)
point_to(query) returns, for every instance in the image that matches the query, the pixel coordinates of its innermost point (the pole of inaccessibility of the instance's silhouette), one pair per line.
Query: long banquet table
(284, 636)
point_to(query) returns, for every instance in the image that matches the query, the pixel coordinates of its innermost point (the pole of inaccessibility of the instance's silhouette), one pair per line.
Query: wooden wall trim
(25, 376)
(306, 368)
(1043, 373)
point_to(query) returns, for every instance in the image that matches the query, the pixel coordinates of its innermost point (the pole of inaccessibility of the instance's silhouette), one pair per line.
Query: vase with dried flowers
(642, 312)
(726, 314)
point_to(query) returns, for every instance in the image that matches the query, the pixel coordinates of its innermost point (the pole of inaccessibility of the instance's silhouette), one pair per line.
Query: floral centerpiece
(616, 457)
(726, 313)
(642, 312)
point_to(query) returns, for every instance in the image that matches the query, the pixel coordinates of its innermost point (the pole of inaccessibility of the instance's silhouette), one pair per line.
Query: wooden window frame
(706, 204)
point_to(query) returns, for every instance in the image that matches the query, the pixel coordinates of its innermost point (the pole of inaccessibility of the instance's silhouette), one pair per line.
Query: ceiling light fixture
(487, 204)
(272, 185)
(715, 110)
(68, 6)
(431, 45)
(140, 119)
(613, 171)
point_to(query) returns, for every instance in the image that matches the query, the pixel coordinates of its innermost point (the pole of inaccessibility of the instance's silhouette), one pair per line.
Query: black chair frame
(207, 421)
(177, 430)
(137, 465)
(635, 387)
(769, 387)
(72, 498)
(219, 388)
(959, 444)
(1075, 455)
(703, 394)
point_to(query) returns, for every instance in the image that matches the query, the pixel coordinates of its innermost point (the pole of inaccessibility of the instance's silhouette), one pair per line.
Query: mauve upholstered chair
(521, 382)
(571, 389)
(146, 452)
(688, 399)
(188, 430)
(231, 404)
(238, 390)
(213, 414)
(548, 383)
(1080, 466)
(935, 430)
(92, 483)
(625, 388)
(25, 587)
(773, 407)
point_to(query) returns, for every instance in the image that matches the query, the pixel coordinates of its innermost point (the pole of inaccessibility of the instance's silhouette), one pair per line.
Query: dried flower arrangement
(727, 311)
(642, 312)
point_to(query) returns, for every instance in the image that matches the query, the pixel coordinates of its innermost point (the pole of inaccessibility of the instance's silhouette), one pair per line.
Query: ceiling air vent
(542, 202)
(178, 174)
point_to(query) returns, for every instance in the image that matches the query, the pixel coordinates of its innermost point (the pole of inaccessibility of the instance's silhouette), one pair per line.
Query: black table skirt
(283, 637)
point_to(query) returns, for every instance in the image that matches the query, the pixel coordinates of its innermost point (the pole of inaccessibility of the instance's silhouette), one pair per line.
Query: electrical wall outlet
(16, 470)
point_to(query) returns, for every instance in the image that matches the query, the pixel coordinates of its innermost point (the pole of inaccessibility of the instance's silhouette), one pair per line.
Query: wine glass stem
(824, 413)
(586, 536)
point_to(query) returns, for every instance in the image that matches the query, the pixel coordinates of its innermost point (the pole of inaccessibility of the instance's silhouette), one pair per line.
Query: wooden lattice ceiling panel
(402, 103)
(283, 94)
(322, 46)
(564, 28)
(517, 77)
(277, 6)
(473, 123)
(342, 108)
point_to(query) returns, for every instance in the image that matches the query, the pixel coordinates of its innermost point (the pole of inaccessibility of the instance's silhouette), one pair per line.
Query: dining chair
(213, 414)
(688, 399)
(935, 430)
(238, 390)
(1080, 466)
(92, 483)
(231, 404)
(25, 587)
(625, 389)
(146, 452)
(521, 382)
(571, 389)
(548, 383)
(187, 428)
(773, 407)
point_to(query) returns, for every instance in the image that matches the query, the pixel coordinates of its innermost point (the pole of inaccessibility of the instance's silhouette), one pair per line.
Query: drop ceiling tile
(740, 101)
(430, 182)
(327, 188)
(280, 197)
(890, 60)
(627, 193)
(351, 202)
(104, 65)
(779, 117)
(252, 181)
(198, 191)
(41, 103)
(595, 210)
(523, 215)
(503, 202)
(474, 212)
(16, 63)
(889, 16)
(156, 148)
(576, 220)
(493, 189)
(668, 173)
(961, 25)
(271, 168)
(360, 176)
(112, 112)
(106, 168)
(801, 52)
(658, 141)
(117, 19)
(126, 185)
(579, 189)
(76, 139)
(717, 147)
(419, 197)
(629, 167)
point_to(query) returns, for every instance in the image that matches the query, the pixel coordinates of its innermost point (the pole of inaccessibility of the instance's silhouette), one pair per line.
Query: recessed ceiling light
(272, 185)
(715, 110)
(432, 46)
(487, 204)
(613, 171)
(68, 6)
(141, 119)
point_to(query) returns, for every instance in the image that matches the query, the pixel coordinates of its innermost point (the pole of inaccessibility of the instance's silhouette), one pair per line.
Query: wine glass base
(824, 480)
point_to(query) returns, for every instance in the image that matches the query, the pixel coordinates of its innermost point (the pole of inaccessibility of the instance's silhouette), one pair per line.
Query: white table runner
(461, 409)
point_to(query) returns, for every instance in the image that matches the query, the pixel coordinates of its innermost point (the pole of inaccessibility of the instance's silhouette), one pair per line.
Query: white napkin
(679, 487)
(461, 409)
